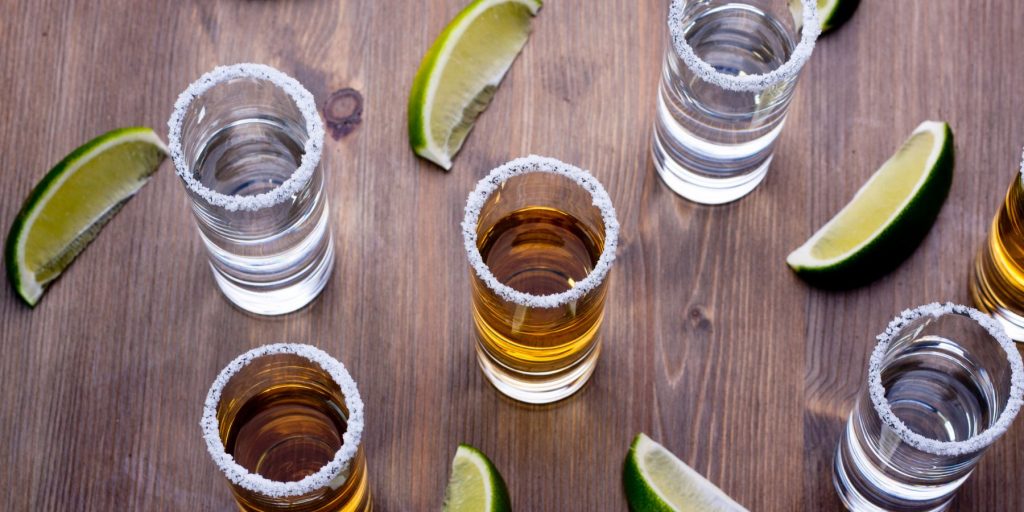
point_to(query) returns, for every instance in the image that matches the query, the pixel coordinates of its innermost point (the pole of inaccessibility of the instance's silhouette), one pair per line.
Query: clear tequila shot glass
(246, 141)
(283, 422)
(997, 282)
(727, 80)
(541, 237)
(944, 382)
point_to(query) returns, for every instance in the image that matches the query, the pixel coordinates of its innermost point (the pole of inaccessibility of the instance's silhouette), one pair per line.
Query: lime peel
(887, 218)
(65, 211)
(832, 13)
(475, 485)
(657, 481)
(459, 74)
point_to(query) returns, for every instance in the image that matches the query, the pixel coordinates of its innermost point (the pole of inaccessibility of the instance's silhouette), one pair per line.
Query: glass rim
(1022, 164)
(526, 165)
(809, 33)
(312, 148)
(257, 483)
(933, 446)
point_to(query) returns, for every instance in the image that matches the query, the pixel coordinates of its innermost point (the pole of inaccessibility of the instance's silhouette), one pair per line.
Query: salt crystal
(526, 165)
(241, 477)
(933, 446)
(750, 83)
(311, 150)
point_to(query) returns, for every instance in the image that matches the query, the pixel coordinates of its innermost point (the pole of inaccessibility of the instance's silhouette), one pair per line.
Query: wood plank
(711, 345)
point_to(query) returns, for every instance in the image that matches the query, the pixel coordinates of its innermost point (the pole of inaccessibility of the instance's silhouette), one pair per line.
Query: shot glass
(944, 382)
(283, 422)
(541, 237)
(727, 80)
(246, 141)
(997, 282)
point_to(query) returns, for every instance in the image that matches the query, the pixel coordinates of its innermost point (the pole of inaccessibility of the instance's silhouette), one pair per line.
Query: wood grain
(711, 346)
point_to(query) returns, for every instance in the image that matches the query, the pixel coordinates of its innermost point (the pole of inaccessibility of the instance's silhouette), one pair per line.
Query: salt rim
(935, 447)
(526, 165)
(750, 83)
(311, 150)
(255, 482)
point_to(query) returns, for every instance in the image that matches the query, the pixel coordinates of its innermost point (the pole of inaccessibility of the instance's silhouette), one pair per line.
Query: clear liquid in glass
(714, 145)
(272, 260)
(939, 390)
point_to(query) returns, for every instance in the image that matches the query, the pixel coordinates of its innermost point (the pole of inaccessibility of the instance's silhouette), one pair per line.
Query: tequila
(944, 383)
(727, 80)
(997, 283)
(246, 141)
(540, 251)
(541, 237)
(284, 420)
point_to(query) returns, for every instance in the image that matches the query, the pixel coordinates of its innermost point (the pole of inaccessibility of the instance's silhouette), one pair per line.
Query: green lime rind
(840, 14)
(649, 465)
(418, 123)
(640, 496)
(833, 13)
(22, 279)
(895, 242)
(418, 127)
(498, 497)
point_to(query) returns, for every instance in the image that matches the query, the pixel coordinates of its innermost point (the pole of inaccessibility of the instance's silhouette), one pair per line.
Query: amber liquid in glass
(540, 251)
(286, 425)
(997, 284)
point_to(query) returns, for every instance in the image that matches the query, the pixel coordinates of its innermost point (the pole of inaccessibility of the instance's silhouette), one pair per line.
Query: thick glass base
(991, 292)
(276, 298)
(538, 388)
(858, 494)
(703, 187)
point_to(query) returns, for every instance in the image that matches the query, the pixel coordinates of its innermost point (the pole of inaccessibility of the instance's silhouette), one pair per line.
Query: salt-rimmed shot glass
(997, 282)
(247, 141)
(283, 422)
(728, 77)
(944, 382)
(541, 237)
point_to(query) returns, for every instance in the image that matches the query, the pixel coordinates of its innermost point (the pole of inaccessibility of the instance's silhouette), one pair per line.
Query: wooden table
(711, 345)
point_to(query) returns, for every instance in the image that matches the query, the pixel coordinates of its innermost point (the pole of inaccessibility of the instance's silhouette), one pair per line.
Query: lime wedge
(886, 219)
(461, 72)
(475, 484)
(69, 207)
(657, 481)
(832, 13)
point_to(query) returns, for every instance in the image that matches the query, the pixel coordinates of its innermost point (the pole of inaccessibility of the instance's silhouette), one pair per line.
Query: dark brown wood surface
(711, 345)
